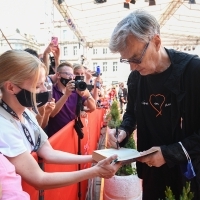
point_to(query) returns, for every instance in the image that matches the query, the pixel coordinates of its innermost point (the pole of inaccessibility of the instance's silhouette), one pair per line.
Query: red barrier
(66, 140)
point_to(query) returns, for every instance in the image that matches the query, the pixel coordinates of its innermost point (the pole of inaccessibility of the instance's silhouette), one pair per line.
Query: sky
(22, 14)
(25, 15)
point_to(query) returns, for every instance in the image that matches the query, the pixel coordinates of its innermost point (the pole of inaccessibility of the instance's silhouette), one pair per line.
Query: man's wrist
(89, 97)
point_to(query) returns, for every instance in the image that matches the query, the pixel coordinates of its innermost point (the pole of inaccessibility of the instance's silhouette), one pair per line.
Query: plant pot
(122, 188)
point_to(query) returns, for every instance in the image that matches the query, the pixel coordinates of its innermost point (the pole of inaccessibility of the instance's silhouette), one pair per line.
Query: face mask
(64, 81)
(188, 170)
(42, 98)
(25, 98)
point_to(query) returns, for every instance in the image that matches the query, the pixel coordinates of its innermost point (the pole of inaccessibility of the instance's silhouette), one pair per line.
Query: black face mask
(25, 98)
(42, 98)
(64, 81)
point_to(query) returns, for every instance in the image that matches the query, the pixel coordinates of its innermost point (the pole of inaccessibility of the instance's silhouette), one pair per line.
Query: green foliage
(114, 121)
(186, 194)
(113, 116)
(169, 194)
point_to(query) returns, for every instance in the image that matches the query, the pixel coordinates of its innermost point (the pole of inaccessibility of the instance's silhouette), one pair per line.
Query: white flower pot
(122, 188)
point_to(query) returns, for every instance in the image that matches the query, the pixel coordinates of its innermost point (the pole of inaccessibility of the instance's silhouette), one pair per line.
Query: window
(94, 66)
(65, 51)
(74, 37)
(104, 66)
(94, 51)
(114, 66)
(104, 50)
(75, 50)
(64, 35)
(18, 46)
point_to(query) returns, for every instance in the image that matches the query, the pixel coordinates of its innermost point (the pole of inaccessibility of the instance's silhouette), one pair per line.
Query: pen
(117, 137)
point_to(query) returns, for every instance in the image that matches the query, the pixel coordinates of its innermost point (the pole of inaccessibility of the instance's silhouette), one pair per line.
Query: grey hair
(139, 23)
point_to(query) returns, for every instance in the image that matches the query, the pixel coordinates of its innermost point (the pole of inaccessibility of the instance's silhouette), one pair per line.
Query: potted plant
(125, 184)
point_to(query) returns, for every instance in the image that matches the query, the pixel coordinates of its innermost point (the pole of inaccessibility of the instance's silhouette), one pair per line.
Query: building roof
(94, 22)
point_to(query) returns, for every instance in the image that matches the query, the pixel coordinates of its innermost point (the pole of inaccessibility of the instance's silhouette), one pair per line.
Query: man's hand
(113, 139)
(69, 87)
(84, 93)
(156, 159)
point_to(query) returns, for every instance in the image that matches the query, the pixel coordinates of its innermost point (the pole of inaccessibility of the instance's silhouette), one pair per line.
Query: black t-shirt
(156, 106)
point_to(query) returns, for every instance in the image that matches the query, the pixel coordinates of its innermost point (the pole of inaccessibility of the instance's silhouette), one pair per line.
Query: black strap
(78, 123)
(26, 131)
(79, 106)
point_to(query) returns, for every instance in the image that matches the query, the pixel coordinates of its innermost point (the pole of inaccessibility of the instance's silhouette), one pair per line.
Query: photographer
(66, 92)
(93, 85)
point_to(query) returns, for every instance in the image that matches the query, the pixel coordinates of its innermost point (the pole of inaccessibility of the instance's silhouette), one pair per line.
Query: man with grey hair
(164, 104)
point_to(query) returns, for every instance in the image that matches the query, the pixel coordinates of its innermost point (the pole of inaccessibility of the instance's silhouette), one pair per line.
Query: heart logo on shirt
(157, 101)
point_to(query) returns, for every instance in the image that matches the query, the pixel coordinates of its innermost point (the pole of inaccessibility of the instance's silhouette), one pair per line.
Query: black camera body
(80, 84)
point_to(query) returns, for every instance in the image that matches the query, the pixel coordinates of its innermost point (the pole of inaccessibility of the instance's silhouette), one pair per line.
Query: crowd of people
(34, 106)
(40, 95)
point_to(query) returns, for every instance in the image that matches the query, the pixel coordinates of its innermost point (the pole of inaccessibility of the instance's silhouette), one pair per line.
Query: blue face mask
(187, 169)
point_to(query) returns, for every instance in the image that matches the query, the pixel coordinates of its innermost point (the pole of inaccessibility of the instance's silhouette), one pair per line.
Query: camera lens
(81, 86)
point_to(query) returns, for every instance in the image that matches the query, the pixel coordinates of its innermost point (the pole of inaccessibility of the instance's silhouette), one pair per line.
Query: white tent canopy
(93, 23)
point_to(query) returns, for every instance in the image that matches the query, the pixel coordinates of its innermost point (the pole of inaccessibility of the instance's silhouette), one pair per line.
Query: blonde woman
(21, 82)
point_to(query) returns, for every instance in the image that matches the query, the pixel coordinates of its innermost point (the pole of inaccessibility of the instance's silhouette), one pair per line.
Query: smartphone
(54, 40)
(49, 87)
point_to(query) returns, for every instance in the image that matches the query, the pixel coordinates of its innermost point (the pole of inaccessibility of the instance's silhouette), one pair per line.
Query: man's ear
(58, 75)
(157, 41)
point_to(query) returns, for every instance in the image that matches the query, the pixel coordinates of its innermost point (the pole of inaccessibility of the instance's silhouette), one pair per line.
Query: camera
(79, 83)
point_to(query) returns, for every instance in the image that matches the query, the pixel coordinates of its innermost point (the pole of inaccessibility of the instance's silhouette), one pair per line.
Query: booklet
(125, 155)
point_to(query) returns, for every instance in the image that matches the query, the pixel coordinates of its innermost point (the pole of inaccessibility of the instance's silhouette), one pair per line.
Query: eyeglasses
(68, 74)
(136, 61)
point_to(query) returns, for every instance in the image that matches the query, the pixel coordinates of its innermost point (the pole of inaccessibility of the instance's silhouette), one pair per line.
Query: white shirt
(12, 138)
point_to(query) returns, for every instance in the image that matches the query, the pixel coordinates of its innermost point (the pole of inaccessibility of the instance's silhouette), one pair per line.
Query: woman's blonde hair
(17, 66)
(77, 66)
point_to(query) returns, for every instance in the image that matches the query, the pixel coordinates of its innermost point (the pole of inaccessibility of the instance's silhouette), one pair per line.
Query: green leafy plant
(113, 118)
(186, 194)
